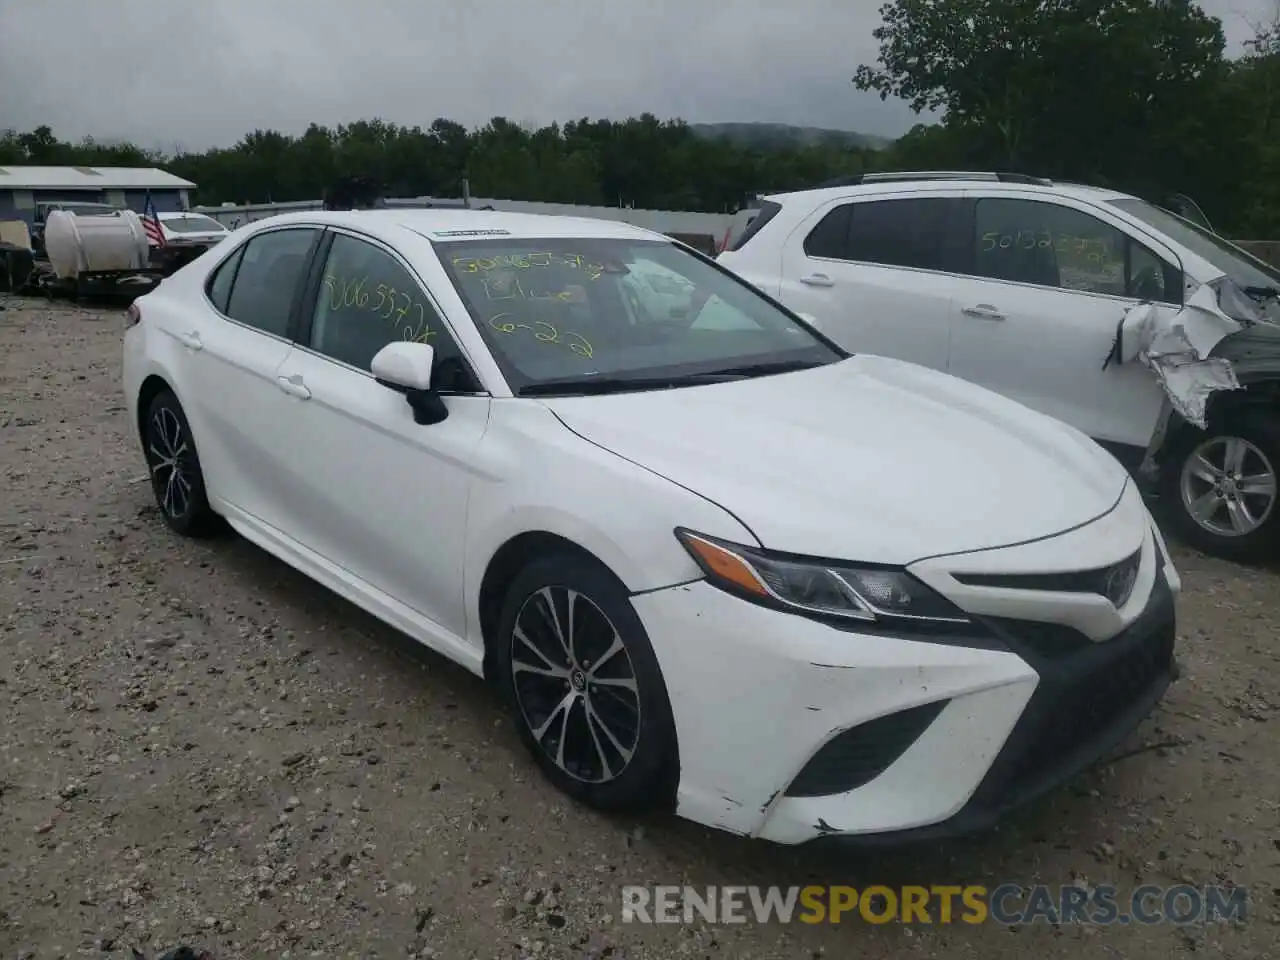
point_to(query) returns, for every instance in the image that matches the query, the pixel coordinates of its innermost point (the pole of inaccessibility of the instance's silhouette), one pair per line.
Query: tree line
(1134, 94)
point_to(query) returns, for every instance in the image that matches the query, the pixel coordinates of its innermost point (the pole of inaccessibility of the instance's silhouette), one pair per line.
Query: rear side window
(219, 288)
(768, 210)
(830, 238)
(270, 279)
(900, 233)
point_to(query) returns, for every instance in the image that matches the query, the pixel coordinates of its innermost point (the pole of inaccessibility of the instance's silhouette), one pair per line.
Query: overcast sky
(198, 73)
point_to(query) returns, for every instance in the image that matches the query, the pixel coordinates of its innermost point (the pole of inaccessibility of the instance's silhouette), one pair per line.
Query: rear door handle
(294, 386)
(983, 311)
(818, 280)
(191, 340)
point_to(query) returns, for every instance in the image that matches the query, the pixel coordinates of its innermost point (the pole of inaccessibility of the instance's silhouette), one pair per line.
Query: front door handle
(818, 280)
(294, 386)
(983, 311)
(191, 340)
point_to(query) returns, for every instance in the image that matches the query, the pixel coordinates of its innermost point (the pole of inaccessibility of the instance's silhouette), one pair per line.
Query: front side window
(269, 279)
(1049, 245)
(573, 309)
(1245, 269)
(367, 299)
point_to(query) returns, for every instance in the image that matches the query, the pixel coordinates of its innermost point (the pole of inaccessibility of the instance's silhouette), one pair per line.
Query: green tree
(1119, 92)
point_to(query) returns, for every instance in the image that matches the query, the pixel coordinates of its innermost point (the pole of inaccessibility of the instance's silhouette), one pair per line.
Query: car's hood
(868, 459)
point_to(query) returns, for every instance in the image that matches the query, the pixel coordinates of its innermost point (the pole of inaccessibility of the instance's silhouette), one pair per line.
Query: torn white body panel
(1177, 349)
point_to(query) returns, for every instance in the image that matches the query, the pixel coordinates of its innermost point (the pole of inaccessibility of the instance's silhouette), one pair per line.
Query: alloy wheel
(575, 684)
(169, 457)
(1228, 486)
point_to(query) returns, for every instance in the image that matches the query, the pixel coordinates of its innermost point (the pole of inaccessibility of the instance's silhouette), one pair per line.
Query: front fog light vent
(857, 756)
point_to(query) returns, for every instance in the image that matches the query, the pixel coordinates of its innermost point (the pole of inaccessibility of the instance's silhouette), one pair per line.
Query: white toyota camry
(711, 560)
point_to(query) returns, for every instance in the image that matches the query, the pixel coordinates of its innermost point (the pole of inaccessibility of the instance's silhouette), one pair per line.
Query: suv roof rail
(853, 180)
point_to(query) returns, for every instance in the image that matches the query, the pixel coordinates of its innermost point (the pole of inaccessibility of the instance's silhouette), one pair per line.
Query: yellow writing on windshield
(406, 313)
(543, 332)
(510, 288)
(528, 261)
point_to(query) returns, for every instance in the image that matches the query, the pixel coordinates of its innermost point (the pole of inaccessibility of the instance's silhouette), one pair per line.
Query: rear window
(768, 210)
(192, 223)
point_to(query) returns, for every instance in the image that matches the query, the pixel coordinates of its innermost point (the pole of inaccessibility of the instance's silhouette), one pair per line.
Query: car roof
(821, 195)
(447, 225)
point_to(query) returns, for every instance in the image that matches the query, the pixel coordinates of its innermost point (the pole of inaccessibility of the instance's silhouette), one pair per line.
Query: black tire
(174, 466)
(595, 772)
(1260, 433)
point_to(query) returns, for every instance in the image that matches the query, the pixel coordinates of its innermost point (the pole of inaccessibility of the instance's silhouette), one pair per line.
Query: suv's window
(219, 287)
(266, 285)
(1029, 241)
(768, 210)
(829, 238)
(367, 299)
(896, 233)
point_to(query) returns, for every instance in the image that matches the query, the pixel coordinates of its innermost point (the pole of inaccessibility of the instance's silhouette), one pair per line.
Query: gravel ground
(197, 745)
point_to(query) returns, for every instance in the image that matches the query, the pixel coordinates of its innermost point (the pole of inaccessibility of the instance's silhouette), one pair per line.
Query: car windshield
(192, 223)
(1247, 271)
(558, 313)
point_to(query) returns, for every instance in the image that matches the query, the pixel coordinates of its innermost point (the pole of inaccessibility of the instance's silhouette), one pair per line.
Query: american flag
(151, 223)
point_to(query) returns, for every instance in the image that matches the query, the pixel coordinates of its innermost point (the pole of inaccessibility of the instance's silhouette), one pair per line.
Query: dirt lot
(199, 746)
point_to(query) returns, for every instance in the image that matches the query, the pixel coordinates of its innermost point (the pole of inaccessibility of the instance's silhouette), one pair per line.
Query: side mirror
(406, 368)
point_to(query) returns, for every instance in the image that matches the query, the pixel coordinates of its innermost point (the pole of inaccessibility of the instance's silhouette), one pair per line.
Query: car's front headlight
(822, 588)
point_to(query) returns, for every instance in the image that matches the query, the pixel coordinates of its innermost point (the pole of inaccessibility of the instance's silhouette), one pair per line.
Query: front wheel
(1221, 484)
(584, 687)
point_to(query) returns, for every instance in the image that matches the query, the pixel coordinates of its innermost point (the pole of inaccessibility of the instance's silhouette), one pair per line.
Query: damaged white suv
(1155, 336)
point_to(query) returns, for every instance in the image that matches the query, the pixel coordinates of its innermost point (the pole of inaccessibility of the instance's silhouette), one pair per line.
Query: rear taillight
(132, 316)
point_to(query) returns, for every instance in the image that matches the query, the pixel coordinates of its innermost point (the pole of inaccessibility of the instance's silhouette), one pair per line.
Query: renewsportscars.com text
(1009, 904)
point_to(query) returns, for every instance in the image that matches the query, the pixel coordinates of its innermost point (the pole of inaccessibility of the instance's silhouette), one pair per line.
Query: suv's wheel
(584, 687)
(174, 465)
(1220, 486)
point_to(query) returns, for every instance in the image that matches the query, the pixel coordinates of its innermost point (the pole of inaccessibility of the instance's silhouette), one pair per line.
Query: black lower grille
(1087, 700)
(859, 755)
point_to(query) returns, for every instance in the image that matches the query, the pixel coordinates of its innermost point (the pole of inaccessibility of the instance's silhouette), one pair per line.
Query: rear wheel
(174, 464)
(584, 687)
(1221, 486)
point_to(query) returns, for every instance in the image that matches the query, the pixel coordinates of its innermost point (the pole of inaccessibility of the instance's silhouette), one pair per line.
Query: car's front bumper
(791, 730)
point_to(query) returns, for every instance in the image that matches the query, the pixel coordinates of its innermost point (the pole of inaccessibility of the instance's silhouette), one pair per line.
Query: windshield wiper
(768, 367)
(594, 385)
(1266, 293)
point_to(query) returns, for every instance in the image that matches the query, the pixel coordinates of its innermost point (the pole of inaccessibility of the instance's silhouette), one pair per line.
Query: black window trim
(972, 196)
(300, 322)
(238, 251)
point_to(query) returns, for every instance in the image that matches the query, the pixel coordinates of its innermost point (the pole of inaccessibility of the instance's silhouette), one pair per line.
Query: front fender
(546, 479)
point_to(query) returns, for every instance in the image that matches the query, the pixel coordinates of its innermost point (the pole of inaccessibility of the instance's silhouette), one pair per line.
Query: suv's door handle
(191, 340)
(983, 311)
(818, 280)
(294, 386)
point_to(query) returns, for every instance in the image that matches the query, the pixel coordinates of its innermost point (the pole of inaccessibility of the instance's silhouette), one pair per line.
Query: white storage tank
(93, 244)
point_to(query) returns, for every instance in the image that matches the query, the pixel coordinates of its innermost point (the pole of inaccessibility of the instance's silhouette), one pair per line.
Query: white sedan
(711, 560)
